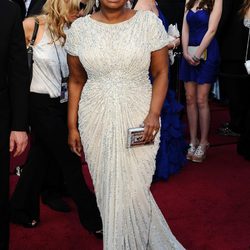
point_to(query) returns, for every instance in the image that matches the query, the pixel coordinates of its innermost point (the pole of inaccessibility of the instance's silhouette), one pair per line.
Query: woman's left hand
(177, 41)
(151, 126)
(174, 44)
(74, 141)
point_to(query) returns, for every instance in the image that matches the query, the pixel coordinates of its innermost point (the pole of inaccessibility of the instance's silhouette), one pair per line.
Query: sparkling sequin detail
(116, 97)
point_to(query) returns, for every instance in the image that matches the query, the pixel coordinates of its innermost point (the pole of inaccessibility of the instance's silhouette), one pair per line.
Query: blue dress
(171, 155)
(206, 71)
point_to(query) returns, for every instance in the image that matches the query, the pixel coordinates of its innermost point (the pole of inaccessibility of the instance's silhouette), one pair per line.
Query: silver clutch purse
(135, 138)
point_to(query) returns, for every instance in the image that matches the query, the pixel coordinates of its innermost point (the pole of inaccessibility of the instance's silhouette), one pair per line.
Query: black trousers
(4, 171)
(49, 125)
(53, 185)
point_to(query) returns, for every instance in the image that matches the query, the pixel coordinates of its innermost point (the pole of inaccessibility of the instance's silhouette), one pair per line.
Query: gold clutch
(135, 138)
(192, 50)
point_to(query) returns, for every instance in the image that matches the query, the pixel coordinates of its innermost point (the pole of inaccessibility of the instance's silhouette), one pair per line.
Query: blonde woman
(49, 118)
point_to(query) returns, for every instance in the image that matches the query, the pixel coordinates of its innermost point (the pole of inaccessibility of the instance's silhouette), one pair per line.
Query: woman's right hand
(190, 60)
(74, 141)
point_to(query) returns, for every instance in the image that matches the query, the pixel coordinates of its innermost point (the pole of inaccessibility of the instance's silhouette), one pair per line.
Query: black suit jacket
(22, 7)
(14, 75)
(35, 7)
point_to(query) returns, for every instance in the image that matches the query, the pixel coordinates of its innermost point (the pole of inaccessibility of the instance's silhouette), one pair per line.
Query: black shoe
(225, 125)
(58, 205)
(226, 131)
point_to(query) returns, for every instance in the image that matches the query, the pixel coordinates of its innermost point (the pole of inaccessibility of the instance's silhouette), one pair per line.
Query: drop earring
(97, 3)
(129, 5)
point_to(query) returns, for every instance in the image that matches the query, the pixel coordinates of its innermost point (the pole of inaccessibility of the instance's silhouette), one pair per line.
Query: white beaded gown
(116, 97)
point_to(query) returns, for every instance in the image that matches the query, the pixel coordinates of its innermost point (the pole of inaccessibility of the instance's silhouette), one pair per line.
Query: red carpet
(206, 205)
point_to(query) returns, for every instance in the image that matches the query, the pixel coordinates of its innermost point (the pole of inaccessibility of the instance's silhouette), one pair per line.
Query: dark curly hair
(204, 4)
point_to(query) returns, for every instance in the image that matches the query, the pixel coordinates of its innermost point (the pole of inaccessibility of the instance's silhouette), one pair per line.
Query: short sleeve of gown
(157, 35)
(72, 40)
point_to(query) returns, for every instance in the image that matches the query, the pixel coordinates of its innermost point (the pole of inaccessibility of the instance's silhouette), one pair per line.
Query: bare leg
(204, 112)
(192, 110)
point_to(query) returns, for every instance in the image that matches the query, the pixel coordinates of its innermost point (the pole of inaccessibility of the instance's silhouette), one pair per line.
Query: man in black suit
(14, 90)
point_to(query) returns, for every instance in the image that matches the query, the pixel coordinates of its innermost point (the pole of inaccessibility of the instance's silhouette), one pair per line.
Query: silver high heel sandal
(191, 150)
(200, 153)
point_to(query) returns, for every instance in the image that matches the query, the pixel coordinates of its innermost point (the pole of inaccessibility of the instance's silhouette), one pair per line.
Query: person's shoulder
(148, 14)
(148, 17)
(29, 23)
(80, 22)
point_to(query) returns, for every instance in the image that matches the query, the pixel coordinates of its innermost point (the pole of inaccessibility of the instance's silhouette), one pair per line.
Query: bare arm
(159, 70)
(174, 44)
(77, 79)
(151, 5)
(29, 25)
(214, 20)
(185, 35)
(185, 40)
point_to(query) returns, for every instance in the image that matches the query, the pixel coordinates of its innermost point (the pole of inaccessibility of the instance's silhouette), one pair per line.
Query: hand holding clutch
(145, 133)
(192, 51)
(136, 138)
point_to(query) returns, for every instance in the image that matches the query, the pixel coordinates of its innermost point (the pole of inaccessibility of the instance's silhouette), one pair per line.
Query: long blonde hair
(57, 12)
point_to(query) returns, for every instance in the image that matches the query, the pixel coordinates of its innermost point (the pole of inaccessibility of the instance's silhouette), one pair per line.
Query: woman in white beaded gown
(109, 55)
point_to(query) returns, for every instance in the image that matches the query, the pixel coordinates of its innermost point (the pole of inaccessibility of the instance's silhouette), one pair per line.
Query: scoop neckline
(114, 24)
(197, 10)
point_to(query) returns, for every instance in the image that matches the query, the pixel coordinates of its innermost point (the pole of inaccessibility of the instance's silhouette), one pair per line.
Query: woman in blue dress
(172, 151)
(199, 68)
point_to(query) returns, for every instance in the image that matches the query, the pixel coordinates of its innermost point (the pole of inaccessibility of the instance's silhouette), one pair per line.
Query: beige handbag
(192, 50)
